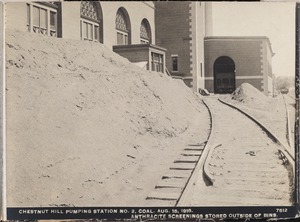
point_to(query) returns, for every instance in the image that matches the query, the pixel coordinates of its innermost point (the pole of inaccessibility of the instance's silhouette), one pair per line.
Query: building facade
(158, 36)
(110, 23)
(180, 28)
(231, 61)
(218, 64)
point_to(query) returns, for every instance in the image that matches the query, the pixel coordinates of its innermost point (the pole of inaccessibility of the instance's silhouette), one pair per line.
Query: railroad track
(170, 188)
(290, 128)
(240, 164)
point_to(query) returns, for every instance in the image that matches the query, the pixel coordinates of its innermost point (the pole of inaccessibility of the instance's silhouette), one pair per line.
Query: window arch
(122, 27)
(145, 32)
(91, 18)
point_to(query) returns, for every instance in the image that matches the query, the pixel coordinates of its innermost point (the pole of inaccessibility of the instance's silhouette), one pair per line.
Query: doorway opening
(224, 75)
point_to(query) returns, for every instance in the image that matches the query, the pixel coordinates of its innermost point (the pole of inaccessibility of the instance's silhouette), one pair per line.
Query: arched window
(145, 32)
(90, 20)
(122, 27)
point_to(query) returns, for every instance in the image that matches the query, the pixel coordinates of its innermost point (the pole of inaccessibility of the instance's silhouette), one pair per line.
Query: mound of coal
(246, 93)
(270, 111)
(87, 127)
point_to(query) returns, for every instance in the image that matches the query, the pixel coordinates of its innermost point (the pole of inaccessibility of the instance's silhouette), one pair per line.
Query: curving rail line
(180, 177)
(285, 152)
(241, 163)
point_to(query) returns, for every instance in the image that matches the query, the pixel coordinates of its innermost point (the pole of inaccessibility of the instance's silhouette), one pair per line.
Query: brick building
(231, 61)
(180, 29)
(157, 36)
(128, 25)
(218, 64)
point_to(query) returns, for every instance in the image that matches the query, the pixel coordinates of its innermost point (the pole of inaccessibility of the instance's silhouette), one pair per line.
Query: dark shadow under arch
(224, 75)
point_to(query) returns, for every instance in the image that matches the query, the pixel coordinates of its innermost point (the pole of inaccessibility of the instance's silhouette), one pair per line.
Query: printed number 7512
(281, 210)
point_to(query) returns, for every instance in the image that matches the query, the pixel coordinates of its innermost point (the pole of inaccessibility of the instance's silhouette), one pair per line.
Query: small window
(43, 18)
(96, 31)
(28, 14)
(175, 63)
(90, 31)
(157, 62)
(53, 20)
(85, 30)
(201, 72)
(36, 16)
(126, 39)
(120, 38)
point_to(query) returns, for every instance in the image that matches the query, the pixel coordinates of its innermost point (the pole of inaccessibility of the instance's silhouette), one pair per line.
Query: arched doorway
(224, 75)
(91, 21)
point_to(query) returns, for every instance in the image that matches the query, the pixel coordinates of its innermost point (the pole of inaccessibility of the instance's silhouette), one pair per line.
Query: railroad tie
(183, 166)
(169, 189)
(165, 194)
(187, 159)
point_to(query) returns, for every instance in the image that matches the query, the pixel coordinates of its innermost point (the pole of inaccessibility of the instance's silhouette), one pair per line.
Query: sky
(275, 20)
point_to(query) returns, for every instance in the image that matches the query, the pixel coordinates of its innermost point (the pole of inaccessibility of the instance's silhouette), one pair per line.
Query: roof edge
(241, 38)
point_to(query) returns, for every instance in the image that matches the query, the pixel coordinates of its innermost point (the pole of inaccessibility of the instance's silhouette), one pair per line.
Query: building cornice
(139, 46)
(240, 38)
(147, 3)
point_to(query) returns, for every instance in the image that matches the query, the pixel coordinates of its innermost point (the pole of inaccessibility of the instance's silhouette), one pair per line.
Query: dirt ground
(244, 165)
(291, 105)
(85, 127)
(271, 112)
